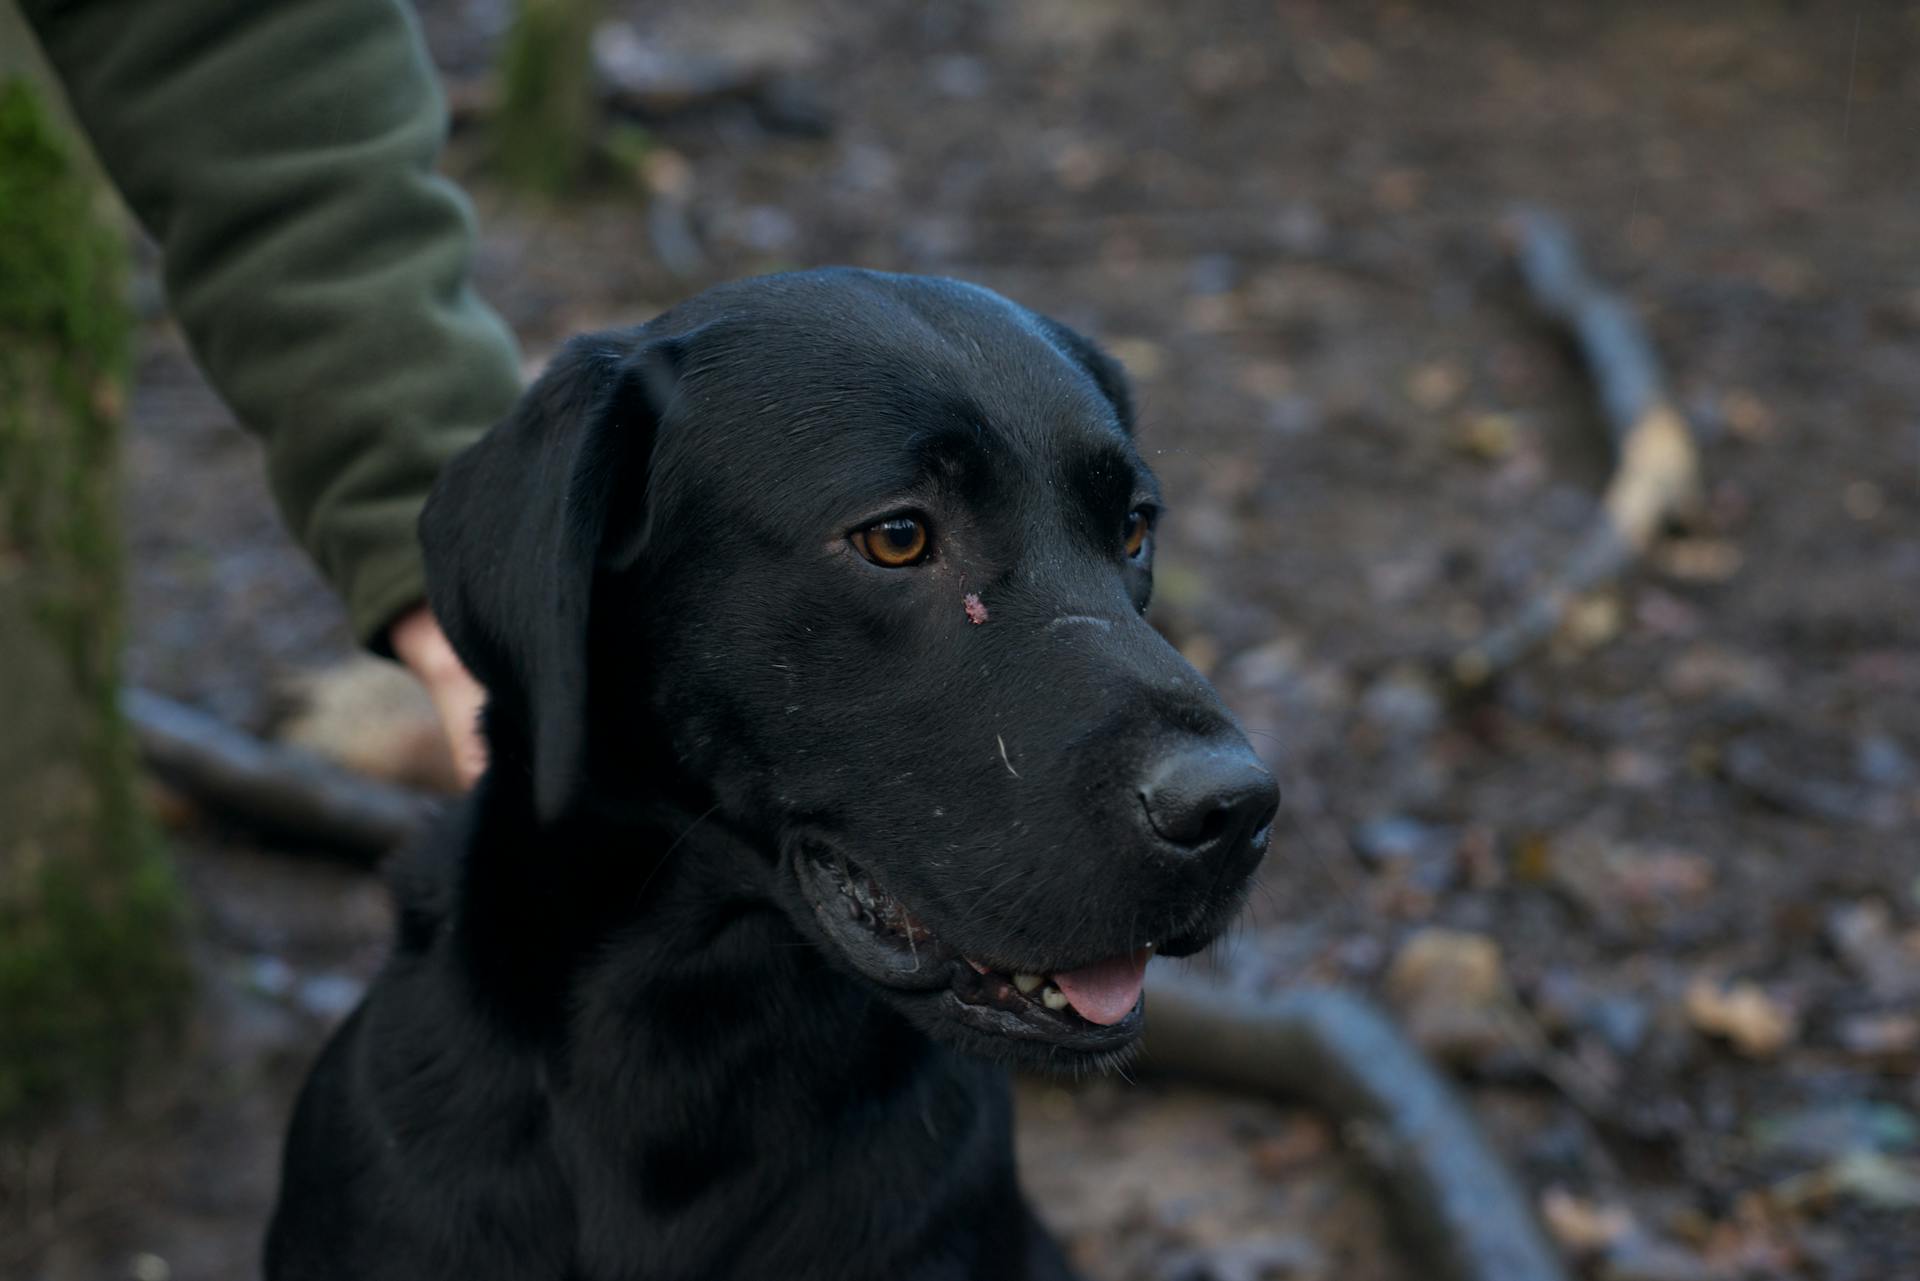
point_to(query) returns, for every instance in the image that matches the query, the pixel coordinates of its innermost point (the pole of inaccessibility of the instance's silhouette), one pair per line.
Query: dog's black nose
(1205, 797)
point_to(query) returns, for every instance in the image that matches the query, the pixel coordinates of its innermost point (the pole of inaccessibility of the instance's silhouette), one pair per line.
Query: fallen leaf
(1865, 937)
(1869, 1178)
(1436, 385)
(1743, 1014)
(1880, 1035)
(1827, 1131)
(1582, 1226)
(1451, 989)
(1489, 437)
(1699, 560)
(1304, 1140)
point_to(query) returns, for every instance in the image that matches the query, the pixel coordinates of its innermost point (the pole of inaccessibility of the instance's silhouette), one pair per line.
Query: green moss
(544, 137)
(89, 947)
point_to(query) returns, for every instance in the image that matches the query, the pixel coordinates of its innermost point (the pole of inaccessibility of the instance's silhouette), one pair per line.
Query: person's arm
(281, 152)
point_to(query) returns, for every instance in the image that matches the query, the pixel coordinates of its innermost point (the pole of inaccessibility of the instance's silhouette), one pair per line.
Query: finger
(459, 701)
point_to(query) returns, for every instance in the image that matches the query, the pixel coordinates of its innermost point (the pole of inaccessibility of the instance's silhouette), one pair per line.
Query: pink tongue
(1106, 991)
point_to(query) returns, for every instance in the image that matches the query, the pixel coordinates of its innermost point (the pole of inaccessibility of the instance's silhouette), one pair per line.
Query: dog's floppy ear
(515, 532)
(1106, 372)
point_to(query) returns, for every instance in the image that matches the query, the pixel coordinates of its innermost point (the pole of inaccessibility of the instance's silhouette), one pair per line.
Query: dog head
(861, 560)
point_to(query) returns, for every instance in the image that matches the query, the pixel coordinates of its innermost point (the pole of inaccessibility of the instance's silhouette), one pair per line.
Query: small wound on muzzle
(976, 612)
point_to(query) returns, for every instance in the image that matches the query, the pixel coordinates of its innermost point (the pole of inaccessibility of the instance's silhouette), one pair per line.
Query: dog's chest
(858, 1169)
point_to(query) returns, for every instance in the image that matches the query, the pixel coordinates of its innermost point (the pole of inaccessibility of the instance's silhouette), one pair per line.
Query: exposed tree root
(1336, 1051)
(283, 791)
(1656, 473)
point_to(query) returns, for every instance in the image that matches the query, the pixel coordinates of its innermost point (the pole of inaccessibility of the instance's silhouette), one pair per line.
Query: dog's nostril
(1200, 797)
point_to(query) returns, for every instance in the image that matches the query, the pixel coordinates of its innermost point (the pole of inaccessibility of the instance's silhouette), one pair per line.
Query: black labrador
(834, 769)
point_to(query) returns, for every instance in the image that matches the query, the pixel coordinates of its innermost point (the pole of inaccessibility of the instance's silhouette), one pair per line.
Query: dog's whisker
(678, 841)
(1090, 620)
(1342, 883)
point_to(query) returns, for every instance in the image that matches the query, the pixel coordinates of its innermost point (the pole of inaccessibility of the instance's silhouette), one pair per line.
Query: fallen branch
(1656, 472)
(1339, 1053)
(283, 791)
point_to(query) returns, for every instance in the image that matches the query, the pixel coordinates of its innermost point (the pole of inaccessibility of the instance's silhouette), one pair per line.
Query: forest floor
(1663, 889)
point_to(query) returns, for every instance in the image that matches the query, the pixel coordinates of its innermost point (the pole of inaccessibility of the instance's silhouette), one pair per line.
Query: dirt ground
(1689, 834)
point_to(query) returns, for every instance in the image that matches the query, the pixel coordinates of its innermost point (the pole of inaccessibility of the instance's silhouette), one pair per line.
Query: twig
(285, 791)
(1339, 1053)
(1656, 472)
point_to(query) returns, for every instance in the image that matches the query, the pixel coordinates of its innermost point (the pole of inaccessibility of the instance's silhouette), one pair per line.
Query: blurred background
(1653, 900)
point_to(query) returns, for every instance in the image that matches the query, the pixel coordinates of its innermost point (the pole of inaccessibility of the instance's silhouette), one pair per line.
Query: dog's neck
(708, 1055)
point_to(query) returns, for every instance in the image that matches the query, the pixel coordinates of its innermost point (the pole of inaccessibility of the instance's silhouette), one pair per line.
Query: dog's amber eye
(1135, 530)
(893, 543)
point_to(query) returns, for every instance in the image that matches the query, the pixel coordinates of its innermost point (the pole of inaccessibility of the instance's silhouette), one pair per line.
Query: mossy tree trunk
(89, 950)
(545, 132)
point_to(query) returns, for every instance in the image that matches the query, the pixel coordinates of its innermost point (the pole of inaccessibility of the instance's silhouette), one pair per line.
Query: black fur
(626, 1033)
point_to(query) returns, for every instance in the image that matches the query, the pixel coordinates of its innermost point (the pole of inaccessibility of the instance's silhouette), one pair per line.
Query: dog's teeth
(1027, 982)
(1053, 998)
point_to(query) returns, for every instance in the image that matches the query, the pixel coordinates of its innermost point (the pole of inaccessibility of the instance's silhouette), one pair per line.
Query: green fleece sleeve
(281, 152)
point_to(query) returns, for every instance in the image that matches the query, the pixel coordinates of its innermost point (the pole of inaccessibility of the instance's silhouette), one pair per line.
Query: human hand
(419, 643)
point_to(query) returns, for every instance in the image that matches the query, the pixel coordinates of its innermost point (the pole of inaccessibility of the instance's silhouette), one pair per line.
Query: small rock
(271, 976)
(1402, 703)
(1666, 615)
(1300, 229)
(1565, 1002)
(1436, 385)
(329, 996)
(764, 229)
(1360, 955)
(1879, 1035)
(1712, 672)
(1864, 936)
(959, 76)
(1636, 770)
(1881, 761)
(1395, 839)
(1863, 500)
(1211, 274)
(149, 1267)
(1293, 414)
(1621, 1022)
